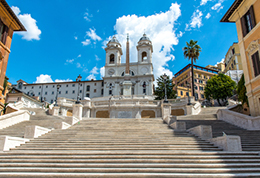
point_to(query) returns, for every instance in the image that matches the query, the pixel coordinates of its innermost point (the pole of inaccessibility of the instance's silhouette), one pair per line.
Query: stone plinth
(56, 110)
(77, 111)
(166, 110)
(127, 86)
(202, 131)
(228, 142)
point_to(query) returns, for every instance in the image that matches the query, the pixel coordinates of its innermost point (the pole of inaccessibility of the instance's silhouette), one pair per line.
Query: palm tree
(192, 52)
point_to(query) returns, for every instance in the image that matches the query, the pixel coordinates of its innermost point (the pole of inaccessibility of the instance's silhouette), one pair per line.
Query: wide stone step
(130, 170)
(132, 165)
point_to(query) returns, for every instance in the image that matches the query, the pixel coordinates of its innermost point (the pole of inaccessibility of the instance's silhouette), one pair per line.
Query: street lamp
(78, 80)
(165, 91)
(58, 87)
(188, 86)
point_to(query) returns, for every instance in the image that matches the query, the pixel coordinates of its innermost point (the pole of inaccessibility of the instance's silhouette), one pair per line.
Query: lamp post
(78, 80)
(58, 87)
(165, 88)
(188, 86)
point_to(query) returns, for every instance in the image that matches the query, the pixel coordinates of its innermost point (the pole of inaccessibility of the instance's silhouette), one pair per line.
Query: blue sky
(67, 38)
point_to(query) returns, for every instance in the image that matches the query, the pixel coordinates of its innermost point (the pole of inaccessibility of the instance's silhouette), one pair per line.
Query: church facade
(134, 78)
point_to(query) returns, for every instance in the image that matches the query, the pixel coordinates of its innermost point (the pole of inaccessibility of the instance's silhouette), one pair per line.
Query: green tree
(192, 52)
(241, 91)
(160, 89)
(219, 87)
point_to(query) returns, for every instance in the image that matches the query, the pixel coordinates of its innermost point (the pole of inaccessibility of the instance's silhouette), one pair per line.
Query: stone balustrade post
(77, 111)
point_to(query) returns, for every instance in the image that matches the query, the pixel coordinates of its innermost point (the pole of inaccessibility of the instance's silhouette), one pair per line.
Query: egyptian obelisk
(127, 84)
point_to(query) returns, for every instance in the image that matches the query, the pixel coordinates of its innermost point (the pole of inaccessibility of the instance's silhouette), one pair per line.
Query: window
(39, 93)
(102, 84)
(144, 88)
(51, 101)
(256, 63)
(73, 91)
(248, 21)
(199, 75)
(80, 91)
(40, 86)
(202, 96)
(73, 85)
(95, 90)
(232, 66)
(234, 62)
(87, 95)
(46, 93)
(187, 93)
(3, 32)
(46, 86)
(195, 80)
(24, 87)
(66, 92)
(52, 93)
(102, 91)
(53, 86)
(59, 92)
(95, 84)
(88, 88)
(196, 88)
(196, 96)
(205, 77)
(67, 85)
(201, 88)
(112, 59)
(32, 87)
(181, 93)
(144, 56)
(110, 92)
(233, 51)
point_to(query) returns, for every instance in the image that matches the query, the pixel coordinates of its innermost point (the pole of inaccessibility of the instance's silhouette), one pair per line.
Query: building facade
(182, 81)
(233, 59)
(8, 24)
(140, 76)
(246, 15)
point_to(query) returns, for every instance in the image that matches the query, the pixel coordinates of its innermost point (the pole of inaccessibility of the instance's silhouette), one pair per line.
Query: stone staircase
(40, 119)
(124, 148)
(250, 140)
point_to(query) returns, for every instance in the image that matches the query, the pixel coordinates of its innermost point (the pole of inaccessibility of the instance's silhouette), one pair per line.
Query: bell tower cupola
(113, 52)
(145, 50)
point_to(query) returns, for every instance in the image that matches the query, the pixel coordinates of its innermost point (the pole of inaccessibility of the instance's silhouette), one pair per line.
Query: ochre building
(183, 84)
(8, 24)
(246, 15)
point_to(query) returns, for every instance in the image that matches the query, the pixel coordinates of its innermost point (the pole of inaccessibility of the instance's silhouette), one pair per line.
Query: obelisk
(127, 84)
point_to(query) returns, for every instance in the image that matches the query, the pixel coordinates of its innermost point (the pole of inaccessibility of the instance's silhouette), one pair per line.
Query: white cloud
(44, 79)
(203, 2)
(60, 80)
(160, 28)
(87, 16)
(75, 37)
(222, 61)
(97, 58)
(79, 65)
(196, 20)
(208, 16)
(90, 77)
(218, 6)
(69, 61)
(93, 72)
(102, 71)
(92, 34)
(33, 32)
(79, 55)
(86, 42)
(47, 79)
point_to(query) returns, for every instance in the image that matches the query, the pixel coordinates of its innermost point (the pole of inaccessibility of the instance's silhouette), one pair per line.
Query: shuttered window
(256, 63)
(3, 32)
(248, 21)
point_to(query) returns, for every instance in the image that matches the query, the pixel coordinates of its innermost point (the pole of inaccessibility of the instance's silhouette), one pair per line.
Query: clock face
(111, 71)
(144, 70)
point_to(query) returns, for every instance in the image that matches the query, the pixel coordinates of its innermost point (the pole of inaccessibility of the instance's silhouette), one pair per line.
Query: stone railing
(196, 108)
(240, 120)
(14, 118)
